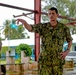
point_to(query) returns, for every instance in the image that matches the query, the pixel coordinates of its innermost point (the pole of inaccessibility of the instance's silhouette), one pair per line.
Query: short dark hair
(53, 8)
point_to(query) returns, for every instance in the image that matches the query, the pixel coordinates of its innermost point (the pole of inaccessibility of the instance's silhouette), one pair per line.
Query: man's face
(52, 15)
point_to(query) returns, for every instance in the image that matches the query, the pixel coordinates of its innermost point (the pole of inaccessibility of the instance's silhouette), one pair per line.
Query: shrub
(24, 47)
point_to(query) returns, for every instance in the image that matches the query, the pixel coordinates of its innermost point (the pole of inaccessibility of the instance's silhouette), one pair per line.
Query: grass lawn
(4, 61)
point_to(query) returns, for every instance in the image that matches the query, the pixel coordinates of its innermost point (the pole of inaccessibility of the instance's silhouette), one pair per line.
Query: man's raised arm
(26, 25)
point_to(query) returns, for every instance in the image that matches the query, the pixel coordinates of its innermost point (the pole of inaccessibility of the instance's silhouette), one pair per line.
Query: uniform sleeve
(68, 35)
(37, 28)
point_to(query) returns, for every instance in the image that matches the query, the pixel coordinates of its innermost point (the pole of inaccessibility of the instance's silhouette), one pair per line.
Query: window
(74, 48)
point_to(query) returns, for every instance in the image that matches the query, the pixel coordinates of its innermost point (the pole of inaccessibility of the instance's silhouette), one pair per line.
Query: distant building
(31, 42)
(74, 43)
(16, 42)
(13, 43)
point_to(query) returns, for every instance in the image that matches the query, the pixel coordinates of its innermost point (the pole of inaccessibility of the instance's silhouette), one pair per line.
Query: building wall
(73, 46)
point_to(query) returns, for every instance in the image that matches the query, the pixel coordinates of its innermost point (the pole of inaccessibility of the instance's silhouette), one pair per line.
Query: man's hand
(64, 54)
(20, 20)
(26, 25)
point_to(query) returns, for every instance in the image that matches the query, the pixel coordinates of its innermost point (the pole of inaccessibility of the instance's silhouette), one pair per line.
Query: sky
(7, 13)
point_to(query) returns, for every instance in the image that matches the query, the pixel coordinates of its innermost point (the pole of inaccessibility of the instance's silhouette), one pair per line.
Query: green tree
(4, 49)
(65, 8)
(12, 31)
(24, 47)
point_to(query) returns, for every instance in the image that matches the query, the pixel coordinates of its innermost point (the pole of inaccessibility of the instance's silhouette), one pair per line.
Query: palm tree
(12, 31)
(6, 29)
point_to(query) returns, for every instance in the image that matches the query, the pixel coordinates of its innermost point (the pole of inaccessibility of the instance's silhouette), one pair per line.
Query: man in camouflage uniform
(53, 35)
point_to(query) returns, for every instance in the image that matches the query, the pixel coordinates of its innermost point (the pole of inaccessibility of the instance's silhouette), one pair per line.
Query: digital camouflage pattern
(52, 44)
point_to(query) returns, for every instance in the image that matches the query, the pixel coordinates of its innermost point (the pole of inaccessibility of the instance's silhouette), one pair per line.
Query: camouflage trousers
(52, 70)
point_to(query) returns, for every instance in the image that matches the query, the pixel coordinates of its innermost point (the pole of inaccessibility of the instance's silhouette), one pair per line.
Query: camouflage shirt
(52, 42)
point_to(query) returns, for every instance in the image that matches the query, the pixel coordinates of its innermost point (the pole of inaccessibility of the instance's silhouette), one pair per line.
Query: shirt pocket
(60, 35)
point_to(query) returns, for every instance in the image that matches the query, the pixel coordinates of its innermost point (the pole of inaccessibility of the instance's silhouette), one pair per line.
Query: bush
(24, 47)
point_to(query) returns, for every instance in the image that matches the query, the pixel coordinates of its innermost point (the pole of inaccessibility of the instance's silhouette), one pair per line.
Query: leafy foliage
(12, 31)
(65, 8)
(24, 47)
(4, 49)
